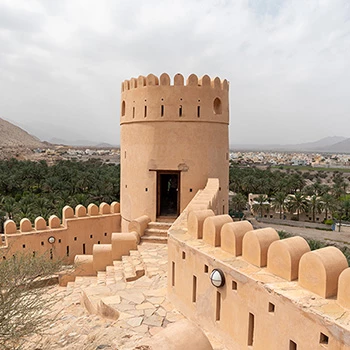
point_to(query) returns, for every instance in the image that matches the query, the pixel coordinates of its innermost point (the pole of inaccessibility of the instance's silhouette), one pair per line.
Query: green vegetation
(31, 189)
(310, 168)
(291, 191)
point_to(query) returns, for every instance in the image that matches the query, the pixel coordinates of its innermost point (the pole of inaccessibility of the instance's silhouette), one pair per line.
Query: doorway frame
(158, 196)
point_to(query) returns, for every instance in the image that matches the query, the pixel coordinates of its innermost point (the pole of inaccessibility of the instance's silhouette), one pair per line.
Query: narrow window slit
(234, 285)
(292, 345)
(218, 306)
(194, 289)
(173, 273)
(323, 339)
(251, 330)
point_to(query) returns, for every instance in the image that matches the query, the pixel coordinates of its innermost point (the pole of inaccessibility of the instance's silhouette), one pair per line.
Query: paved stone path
(142, 304)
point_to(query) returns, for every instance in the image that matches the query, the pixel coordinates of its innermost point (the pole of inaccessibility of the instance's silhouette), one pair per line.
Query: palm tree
(339, 187)
(346, 204)
(315, 205)
(295, 183)
(298, 203)
(338, 190)
(261, 204)
(238, 202)
(9, 207)
(338, 212)
(327, 202)
(279, 202)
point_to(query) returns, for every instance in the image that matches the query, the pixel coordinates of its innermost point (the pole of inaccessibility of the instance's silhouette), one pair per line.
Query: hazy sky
(288, 62)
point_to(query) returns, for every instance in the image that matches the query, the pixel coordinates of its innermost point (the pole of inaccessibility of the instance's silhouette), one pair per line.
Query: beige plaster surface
(195, 146)
(143, 308)
(254, 306)
(76, 234)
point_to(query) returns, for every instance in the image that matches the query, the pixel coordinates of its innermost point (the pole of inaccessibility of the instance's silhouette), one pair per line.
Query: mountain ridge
(14, 136)
(338, 144)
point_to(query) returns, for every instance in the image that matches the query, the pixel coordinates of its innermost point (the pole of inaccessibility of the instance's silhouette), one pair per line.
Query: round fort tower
(174, 136)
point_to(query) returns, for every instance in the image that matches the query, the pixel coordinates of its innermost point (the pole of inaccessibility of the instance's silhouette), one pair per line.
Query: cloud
(287, 61)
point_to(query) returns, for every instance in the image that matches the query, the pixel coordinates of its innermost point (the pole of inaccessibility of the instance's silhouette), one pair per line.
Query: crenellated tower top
(150, 98)
(179, 80)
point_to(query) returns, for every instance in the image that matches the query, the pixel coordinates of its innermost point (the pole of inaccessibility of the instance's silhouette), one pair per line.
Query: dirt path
(327, 236)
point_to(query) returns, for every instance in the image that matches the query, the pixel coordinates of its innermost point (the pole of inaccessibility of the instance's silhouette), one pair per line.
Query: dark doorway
(168, 193)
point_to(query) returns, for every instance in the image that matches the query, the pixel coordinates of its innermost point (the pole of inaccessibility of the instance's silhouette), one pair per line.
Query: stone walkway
(142, 304)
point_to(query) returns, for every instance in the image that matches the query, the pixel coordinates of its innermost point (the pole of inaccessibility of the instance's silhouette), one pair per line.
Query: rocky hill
(341, 147)
(336, 144)
(13, 136)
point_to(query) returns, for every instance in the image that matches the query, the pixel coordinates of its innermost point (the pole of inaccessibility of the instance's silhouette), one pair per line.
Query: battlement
(266, 280)
(164, 80)
(150, 99)
(78, 231)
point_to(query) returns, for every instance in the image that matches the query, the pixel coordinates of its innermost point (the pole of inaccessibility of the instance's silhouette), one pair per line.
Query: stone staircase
(129, 269)
(156, 232)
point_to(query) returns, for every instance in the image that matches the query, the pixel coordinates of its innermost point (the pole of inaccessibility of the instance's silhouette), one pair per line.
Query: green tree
(315, 206)
(338, 213)
(327, 202)
(261, 204)
(238, 202)
(279, 202)
(298, 203)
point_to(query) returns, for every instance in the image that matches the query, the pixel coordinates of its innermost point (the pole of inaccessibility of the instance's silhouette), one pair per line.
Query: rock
(144, 306)
(154, 320)
(135, 322)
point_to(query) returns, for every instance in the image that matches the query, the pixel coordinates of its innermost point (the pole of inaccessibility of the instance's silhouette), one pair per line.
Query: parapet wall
(79, 230)
(156, 99)
(277, 293)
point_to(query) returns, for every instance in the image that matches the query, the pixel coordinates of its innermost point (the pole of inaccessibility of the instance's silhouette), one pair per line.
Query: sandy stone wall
(172, 127)
(277, 293)
(79, 230)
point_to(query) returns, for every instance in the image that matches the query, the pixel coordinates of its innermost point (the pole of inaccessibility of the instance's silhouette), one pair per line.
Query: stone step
(166, 219)
(132, 267)
(155, 232)
(101, 278)
(154, 239)
(118, 270)
(159, 225)
(110, 275)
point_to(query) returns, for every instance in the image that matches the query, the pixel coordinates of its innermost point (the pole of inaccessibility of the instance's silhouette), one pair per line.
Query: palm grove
(291, 191)
(30, 189)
